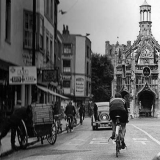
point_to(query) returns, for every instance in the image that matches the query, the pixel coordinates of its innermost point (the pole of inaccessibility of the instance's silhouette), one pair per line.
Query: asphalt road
(142, 140)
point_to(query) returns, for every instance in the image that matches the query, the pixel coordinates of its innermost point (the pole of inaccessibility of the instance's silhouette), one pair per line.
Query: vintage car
(103, 116)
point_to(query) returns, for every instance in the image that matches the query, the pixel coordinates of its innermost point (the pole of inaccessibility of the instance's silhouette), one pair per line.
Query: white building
(76, 66)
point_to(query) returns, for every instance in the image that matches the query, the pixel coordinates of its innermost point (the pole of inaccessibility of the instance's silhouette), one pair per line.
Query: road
(142, 140)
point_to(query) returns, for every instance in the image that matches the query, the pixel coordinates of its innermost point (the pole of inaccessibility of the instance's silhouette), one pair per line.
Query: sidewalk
(6, 149)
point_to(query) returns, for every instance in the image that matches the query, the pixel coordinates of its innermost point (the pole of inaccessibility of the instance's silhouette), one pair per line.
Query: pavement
(5, 147)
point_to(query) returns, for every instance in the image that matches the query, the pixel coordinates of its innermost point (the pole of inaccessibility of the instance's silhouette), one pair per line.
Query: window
(41, 33)
(66, 84)
(87, 68)
(8, 20)
(48, 9)
(51, 49)
(87, 51)
(47, 49)
(67, 49)
(66, 66)
(28, 23)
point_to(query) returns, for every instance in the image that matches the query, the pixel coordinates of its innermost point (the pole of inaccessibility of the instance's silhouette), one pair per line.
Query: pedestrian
(95, 110)
(81, 112)
(13, 122)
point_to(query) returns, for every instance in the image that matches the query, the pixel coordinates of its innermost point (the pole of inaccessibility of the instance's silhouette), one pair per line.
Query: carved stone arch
(146, 87)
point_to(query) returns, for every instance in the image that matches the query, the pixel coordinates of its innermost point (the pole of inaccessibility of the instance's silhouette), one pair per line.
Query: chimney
(67, 31)
(64, 30)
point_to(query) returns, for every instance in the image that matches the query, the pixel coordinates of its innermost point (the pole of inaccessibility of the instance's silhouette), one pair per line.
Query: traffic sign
(22, 75)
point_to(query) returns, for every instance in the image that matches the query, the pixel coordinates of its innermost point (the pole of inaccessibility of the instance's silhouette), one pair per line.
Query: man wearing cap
(12, 123)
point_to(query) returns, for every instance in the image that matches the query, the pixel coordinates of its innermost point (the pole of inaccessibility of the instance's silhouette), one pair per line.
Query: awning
(51, 92)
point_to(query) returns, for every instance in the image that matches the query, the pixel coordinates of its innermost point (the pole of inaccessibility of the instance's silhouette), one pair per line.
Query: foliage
(102, 76)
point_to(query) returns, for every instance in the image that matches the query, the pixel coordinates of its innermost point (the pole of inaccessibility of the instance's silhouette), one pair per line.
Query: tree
(102, 76)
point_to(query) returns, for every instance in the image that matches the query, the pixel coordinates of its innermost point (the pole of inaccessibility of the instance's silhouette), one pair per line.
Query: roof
(102, 103)
(145, 3)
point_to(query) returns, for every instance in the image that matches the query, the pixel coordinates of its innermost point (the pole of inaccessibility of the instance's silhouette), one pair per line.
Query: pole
(33, 45)
(34, 31)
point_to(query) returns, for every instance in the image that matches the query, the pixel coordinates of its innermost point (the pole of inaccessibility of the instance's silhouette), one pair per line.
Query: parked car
(103, 116)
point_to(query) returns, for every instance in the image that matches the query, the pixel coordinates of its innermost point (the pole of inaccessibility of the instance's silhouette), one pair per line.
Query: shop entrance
(146, 100)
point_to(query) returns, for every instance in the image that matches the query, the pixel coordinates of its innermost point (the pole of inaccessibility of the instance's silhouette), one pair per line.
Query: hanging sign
(22, 75)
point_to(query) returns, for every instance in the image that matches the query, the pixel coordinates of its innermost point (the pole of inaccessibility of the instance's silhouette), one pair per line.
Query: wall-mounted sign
(49, 75)
(146, 71)
(79, 86)
(22, 75)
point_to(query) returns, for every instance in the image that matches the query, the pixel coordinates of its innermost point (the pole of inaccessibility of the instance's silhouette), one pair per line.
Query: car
(103, 116)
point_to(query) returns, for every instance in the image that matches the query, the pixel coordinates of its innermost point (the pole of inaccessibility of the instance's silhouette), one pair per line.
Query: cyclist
(118, 106)
(70, 112)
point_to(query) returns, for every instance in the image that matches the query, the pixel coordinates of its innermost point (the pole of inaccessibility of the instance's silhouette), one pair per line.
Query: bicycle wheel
(117, 146)
(51, 138)
(22, 135)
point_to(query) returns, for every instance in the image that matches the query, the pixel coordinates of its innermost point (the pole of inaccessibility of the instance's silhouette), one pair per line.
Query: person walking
(81, 113)
(95, 110)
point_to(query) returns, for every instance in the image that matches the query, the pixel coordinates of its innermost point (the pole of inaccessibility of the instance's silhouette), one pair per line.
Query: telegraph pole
(33, 32)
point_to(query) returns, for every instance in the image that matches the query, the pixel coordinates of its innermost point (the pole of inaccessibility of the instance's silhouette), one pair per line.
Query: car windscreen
(103, 108)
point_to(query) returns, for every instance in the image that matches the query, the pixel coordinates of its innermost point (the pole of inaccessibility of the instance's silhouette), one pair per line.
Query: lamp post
(32, 88)
(33, 32)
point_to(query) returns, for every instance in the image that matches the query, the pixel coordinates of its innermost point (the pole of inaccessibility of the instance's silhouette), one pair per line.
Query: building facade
(76, 66)
(16, 27)
(137, 69)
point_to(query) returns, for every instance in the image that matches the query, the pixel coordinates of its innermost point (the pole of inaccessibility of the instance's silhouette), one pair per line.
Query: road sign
(22, 75)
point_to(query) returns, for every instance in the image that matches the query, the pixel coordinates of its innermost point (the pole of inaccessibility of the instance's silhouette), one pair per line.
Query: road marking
(155, 140)
(141, 140)
(101, 140)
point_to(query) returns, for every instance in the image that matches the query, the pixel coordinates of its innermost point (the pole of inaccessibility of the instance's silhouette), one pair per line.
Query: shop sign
(49, 75)
(22, 75)
(146, 71)
(79, 86)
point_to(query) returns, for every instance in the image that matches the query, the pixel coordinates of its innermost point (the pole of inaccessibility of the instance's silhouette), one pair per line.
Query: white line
(147, 134)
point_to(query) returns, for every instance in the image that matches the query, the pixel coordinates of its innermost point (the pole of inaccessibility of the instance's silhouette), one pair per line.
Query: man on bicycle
(70, 112)
(118, 107)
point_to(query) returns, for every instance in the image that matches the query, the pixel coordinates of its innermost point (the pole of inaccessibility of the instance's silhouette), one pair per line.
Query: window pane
(66, 84)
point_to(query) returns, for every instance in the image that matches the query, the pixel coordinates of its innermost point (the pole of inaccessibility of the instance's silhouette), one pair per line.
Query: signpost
(22, 75)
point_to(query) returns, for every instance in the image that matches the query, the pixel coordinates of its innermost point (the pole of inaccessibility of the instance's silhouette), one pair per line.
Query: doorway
(146, 100)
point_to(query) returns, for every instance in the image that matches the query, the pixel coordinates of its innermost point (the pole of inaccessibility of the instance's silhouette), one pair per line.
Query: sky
(107, 20)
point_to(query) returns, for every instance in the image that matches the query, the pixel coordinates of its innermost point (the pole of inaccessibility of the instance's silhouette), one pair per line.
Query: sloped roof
(145, 3)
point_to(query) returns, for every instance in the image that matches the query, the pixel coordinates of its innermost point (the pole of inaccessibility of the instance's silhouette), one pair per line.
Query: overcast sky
(106, 20)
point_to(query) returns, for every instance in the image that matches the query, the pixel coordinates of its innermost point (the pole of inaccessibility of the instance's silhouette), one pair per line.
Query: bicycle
(118, 138)
(58, 123)
(69, 125)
